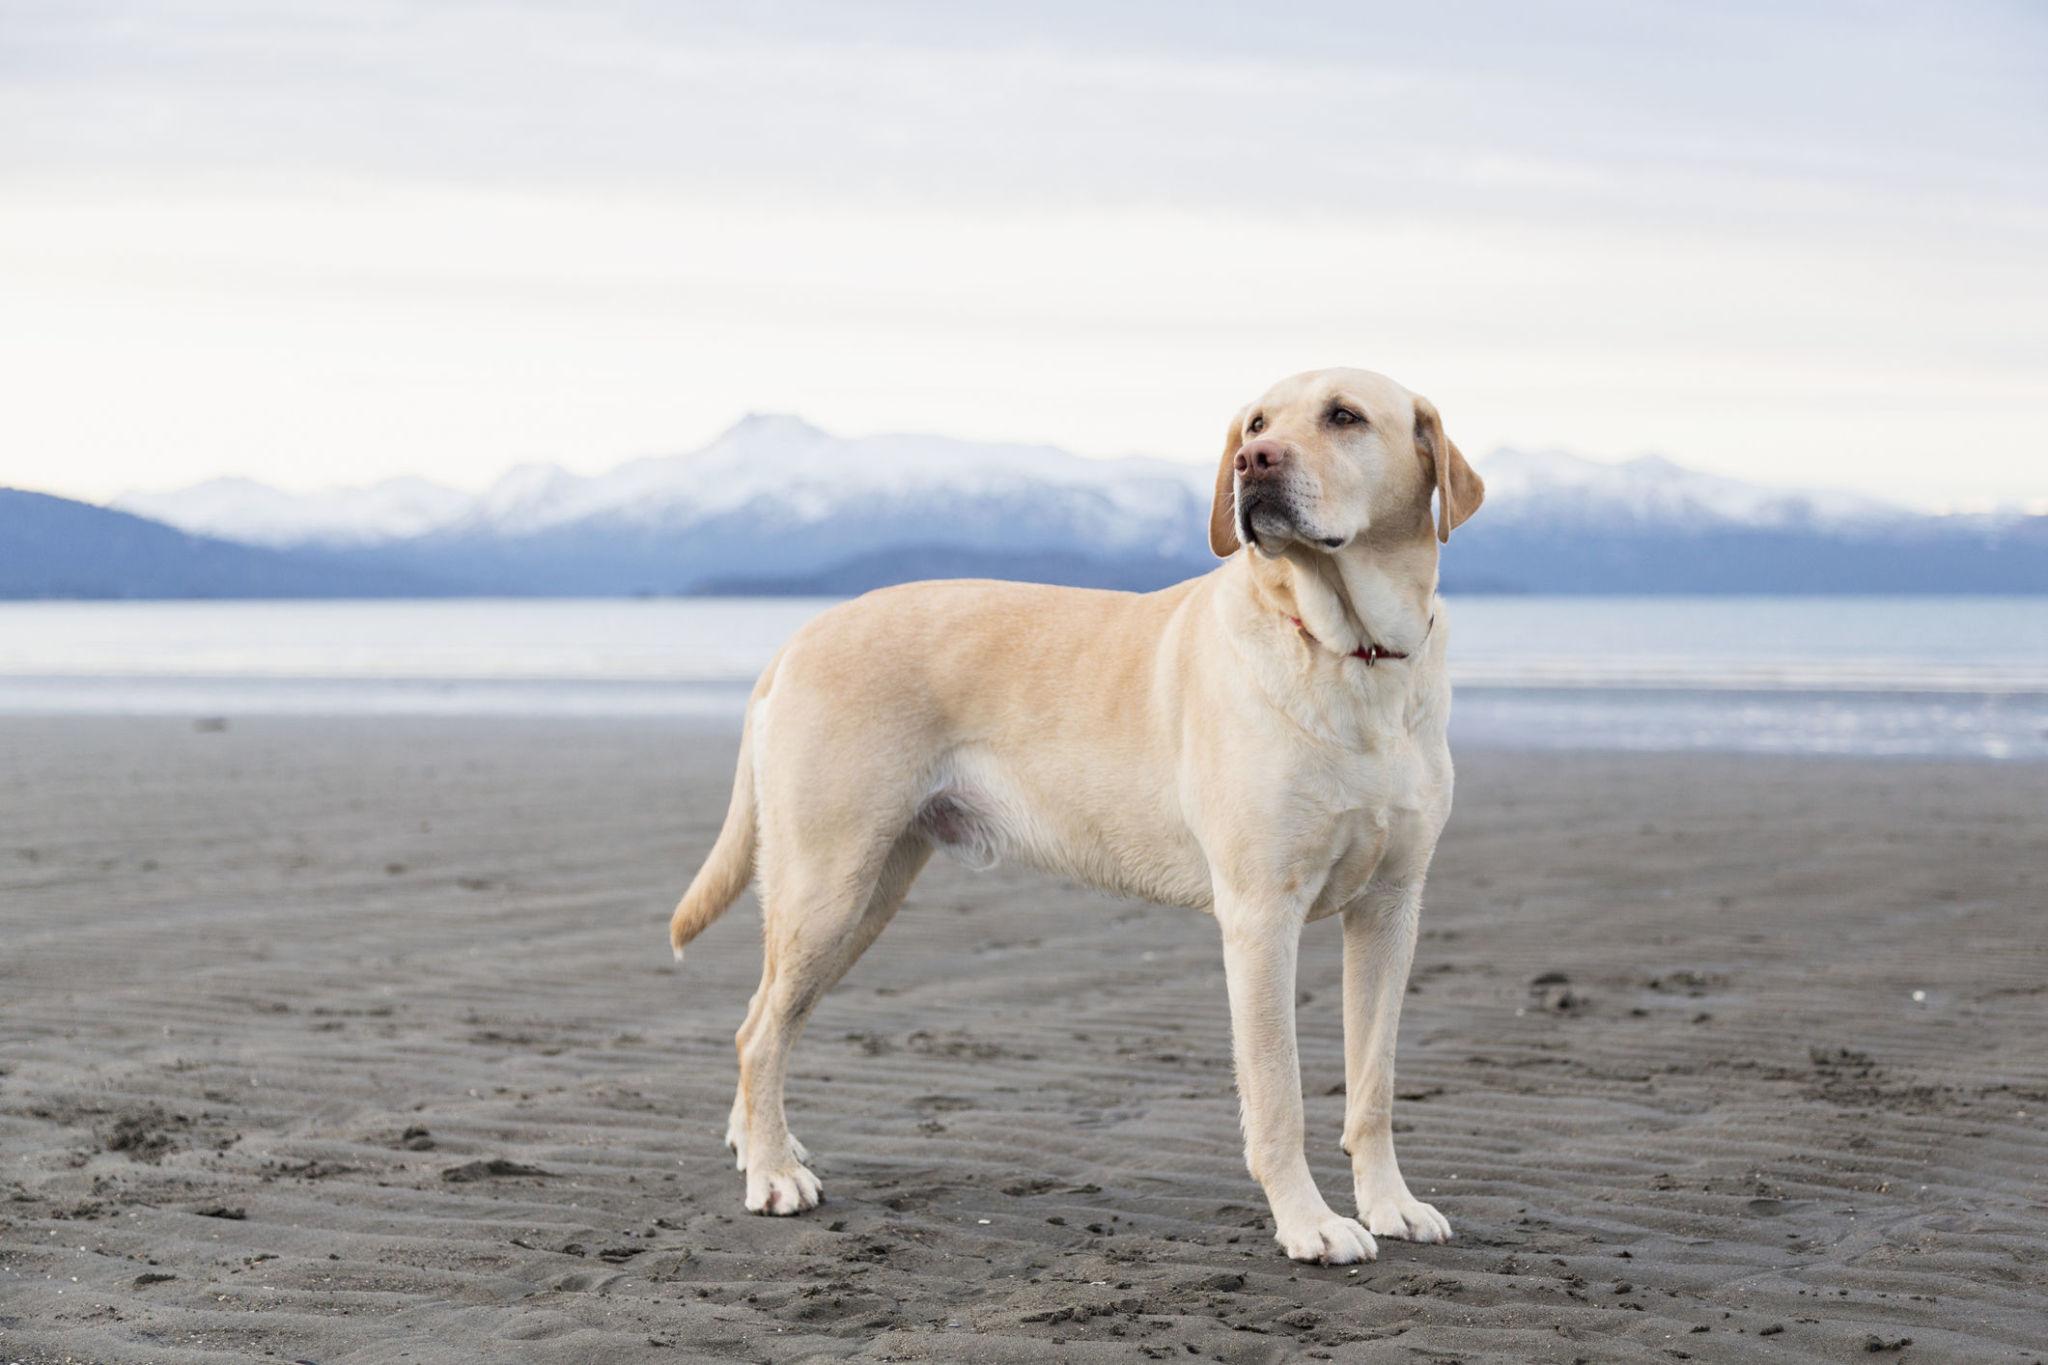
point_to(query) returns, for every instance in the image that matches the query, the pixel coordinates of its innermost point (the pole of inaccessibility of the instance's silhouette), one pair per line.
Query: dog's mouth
(1268, 520)
(1265, 519)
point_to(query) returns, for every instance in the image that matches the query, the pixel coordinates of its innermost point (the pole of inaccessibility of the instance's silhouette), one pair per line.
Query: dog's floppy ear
(1459, 490)
(1223, 511)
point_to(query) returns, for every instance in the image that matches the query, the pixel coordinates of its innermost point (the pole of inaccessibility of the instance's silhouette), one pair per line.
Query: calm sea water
(1876, 676)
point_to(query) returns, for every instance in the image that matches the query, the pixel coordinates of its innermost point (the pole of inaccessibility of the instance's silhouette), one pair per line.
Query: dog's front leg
(1260, 944)
(1379, 945)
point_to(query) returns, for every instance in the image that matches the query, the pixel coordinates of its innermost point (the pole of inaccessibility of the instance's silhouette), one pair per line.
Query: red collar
(1372, 654)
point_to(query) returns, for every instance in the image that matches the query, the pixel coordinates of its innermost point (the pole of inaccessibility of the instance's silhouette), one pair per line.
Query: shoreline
(1991, 728)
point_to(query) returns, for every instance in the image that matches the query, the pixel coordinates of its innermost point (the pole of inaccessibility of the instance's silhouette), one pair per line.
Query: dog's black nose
(1260, 459)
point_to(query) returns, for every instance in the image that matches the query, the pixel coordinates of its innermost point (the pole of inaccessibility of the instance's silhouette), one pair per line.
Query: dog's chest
(1385, 815)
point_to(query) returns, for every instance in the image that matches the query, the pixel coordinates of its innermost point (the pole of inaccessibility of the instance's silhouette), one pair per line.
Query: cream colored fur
(1190, 746)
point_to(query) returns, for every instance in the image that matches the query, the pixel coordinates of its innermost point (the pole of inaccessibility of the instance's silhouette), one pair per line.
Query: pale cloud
(334, 242)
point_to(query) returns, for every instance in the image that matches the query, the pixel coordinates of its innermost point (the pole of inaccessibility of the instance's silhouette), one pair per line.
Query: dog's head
(1324, 457)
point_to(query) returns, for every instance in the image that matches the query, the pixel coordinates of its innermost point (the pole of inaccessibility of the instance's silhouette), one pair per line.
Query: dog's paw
(792, 1189)
(1405, 1217)
(736, 1143)
(1328, 1239)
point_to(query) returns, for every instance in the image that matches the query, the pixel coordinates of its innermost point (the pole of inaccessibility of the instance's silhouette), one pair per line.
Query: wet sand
(359, 1041)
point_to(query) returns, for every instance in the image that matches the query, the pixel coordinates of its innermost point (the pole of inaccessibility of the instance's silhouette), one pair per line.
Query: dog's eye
(1258, 425)
(1344, 417)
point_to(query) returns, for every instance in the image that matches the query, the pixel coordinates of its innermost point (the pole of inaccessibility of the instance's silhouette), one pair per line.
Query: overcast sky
(331, 242)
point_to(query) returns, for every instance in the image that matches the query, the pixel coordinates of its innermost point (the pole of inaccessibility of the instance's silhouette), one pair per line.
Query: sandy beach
(359, 1041)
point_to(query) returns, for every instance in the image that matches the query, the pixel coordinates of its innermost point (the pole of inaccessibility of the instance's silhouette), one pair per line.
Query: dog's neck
(1365, 594)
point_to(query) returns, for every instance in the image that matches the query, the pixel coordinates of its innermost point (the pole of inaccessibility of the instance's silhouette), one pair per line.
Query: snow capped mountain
(257, 514)
(789, 471)
(524, 498)
(809, 475)
(777, 505)
(772, 500)
(772, 465)
(1550, 485)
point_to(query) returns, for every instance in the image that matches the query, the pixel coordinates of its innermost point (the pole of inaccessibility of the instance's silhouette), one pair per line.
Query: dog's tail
(730, 867)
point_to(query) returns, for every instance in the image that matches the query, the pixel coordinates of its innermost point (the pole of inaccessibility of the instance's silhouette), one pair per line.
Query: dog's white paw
(1328, 1239)
(1405, 1217)
(736, 1143)
(791, 1189)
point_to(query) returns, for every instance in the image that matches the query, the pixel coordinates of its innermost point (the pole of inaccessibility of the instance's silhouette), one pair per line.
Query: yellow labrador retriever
(1265, 743)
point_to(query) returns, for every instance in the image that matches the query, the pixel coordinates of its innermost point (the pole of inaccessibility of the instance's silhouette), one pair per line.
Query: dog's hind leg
(817, 923)
(898, 872)
(736, 1123)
